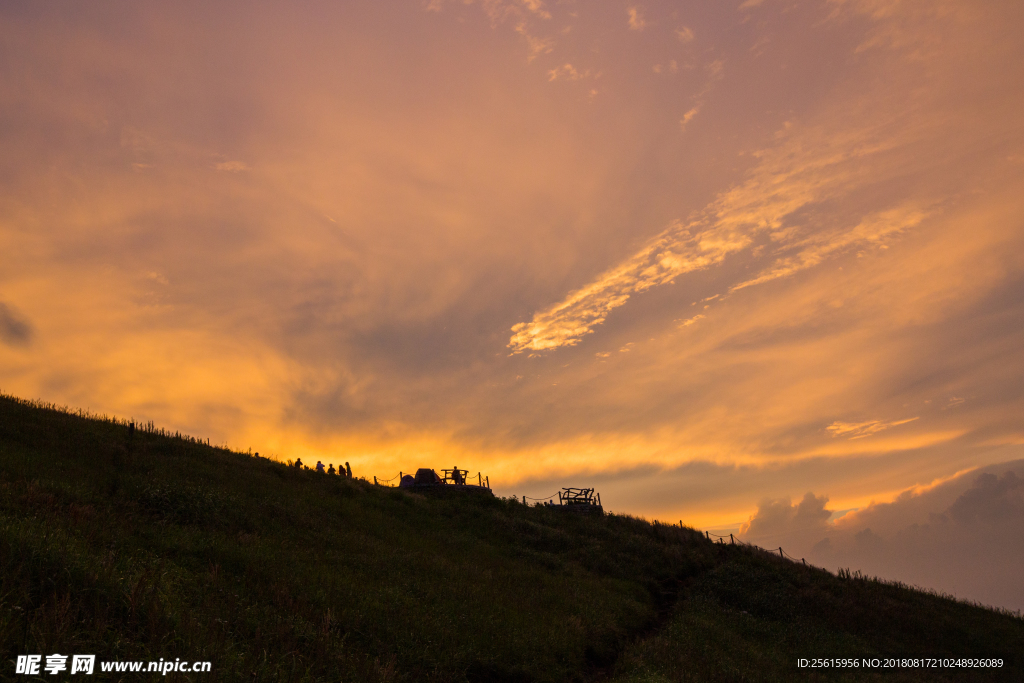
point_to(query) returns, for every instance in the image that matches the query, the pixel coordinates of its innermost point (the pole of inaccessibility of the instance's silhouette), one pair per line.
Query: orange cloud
(859, 430)
(636, 19)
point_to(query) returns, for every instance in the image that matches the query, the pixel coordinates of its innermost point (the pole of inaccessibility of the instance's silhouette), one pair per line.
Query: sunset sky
(710, 257)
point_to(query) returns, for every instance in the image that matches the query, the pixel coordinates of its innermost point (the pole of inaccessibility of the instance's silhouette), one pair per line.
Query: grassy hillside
(155, 546)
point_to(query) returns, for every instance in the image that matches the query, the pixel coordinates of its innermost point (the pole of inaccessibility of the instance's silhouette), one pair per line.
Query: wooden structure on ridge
(580, 500)
(426, 480)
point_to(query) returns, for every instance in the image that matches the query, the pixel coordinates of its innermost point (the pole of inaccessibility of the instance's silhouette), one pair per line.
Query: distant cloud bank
(962, 536)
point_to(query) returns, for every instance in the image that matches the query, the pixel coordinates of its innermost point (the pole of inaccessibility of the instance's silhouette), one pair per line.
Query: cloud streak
(860, 430)
(806, 170)
(14, 329)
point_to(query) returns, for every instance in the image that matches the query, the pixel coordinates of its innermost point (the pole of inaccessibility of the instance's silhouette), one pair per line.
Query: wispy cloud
(807, 168)
(232, 166)
(860, 430)
(636, 19)
(14, 329)
(521, 12)
(875, 230)
(692, 321)
(566, 72)
(675, 252)
(688, 116)
(536, 7)
(537, 46)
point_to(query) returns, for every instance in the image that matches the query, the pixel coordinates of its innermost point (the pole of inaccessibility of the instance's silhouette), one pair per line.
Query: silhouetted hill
(150, 546)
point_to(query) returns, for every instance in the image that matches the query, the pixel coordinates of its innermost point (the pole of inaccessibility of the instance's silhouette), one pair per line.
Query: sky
(709, 257)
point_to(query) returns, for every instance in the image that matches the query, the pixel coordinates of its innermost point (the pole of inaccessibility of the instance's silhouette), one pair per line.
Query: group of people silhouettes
(345, 471)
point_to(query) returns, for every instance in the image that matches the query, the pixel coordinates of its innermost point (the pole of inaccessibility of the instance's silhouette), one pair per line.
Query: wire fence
(133, 425)
(551, 497)
(771, 551)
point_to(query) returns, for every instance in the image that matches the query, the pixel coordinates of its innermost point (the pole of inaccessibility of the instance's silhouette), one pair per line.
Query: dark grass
(156, 546)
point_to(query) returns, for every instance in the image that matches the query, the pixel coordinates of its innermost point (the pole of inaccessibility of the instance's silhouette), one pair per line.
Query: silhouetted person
(298, 463)
(348, 470)
(319, 467)
(457, 476)
(330, 470)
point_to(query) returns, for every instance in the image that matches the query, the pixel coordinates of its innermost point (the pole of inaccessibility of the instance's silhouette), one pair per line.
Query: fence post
(780, 552)
(707, 535)
(732, 541)
(804, 561)
(375, 480)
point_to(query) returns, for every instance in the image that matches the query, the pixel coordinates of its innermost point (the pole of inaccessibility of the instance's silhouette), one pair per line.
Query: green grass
(158, 546)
